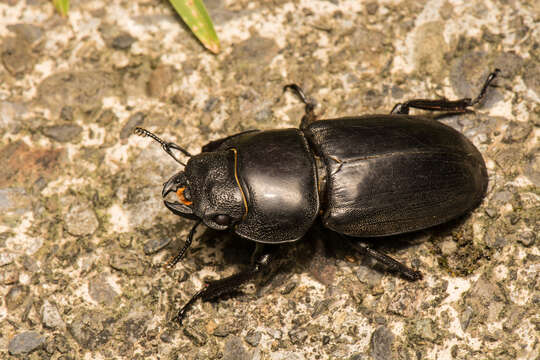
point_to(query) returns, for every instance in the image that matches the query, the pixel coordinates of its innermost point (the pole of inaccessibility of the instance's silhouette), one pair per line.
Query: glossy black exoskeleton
(364, 176)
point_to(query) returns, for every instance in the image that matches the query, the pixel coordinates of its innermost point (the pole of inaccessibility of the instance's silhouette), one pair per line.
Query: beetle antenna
(167, 146)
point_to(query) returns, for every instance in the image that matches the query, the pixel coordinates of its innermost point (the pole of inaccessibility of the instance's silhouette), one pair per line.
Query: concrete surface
(82, 219)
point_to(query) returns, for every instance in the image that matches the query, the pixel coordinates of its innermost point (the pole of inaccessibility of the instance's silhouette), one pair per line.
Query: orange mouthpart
(181, 197)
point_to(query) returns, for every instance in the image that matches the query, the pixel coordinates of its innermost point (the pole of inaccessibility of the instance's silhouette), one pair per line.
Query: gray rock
(321, 307)
(531, 75)
(29, 32)
(81, 220)
(136, 325)
(100, 290)
(16, 296)
(516, 132)
(84, 89)
(465, 317)
(510, 64)
(298, 336)
(527, 238)
(17, 56)
(66, 113)
(25, 343)
(196, 334)
(134, 121)
(253, 338)
(159, 80)
(89, 331)
(222, 330)
(425, 329)
(234, 350)
(50, 316)
(62, 133)
(127, 263)
(123, 42)
(381, 343)
(154, 245)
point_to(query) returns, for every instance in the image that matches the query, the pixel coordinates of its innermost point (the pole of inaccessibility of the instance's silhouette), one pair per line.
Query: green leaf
(196, 18)
(62, 6)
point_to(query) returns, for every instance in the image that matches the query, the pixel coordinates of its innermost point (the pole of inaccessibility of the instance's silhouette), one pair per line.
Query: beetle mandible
(364, 176)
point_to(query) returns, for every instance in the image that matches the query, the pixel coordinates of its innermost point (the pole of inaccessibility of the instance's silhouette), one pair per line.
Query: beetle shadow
(325, 247)
(317, 253)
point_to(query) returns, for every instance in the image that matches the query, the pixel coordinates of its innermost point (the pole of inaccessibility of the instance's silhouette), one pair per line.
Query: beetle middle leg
(459, 106)
(309, 116)
(263, 258)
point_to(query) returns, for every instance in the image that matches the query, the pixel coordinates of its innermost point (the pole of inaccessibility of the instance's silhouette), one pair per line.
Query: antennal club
(167, 146)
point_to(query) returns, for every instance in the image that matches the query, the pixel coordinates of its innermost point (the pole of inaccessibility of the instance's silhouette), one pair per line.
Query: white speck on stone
(500, 272)
(7, 258)
(120, 59)
(502, 109)
(93, 356)
(22, 243)
(116, 155)
(286, 355)
(456, 287)
(98, 138)
(83, 293)
(113, 281)
(61, 185)
(24, 278)
(118, 218)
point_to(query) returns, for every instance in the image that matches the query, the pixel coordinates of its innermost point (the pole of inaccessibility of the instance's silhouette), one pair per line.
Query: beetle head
(207, 189)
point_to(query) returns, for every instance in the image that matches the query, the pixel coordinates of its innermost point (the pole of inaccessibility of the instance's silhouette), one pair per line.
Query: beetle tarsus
(390, 262)
(182, 312)
(309, 116)
(487, 83)
(219, 287)
(459, 106)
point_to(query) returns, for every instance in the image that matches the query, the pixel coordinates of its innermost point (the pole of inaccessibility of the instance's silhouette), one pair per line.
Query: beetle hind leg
(309, 116)
(459, 106)
(388, 261)
(229, 284)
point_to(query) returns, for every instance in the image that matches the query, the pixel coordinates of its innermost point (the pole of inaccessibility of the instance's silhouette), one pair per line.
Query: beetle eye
(222, 219)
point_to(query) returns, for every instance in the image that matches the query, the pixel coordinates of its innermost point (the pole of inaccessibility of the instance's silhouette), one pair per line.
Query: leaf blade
(62, 6)
(194, 14)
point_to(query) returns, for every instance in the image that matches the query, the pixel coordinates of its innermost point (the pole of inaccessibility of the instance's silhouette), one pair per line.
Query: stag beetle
(364, 176)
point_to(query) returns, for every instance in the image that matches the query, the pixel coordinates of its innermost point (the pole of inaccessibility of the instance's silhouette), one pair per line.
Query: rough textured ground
(82, 219)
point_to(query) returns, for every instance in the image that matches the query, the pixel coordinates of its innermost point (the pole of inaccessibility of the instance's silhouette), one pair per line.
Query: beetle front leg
(174, 260)
(391, 263)
(219, 287)
(460, 105)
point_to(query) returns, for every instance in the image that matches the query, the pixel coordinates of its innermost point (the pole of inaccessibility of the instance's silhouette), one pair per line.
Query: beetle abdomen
(391, 174)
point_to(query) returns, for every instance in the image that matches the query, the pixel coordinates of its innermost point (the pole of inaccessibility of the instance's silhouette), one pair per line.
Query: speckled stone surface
(83, 230)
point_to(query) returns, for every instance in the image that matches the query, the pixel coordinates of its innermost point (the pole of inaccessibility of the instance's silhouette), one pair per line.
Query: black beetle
(365, 176)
